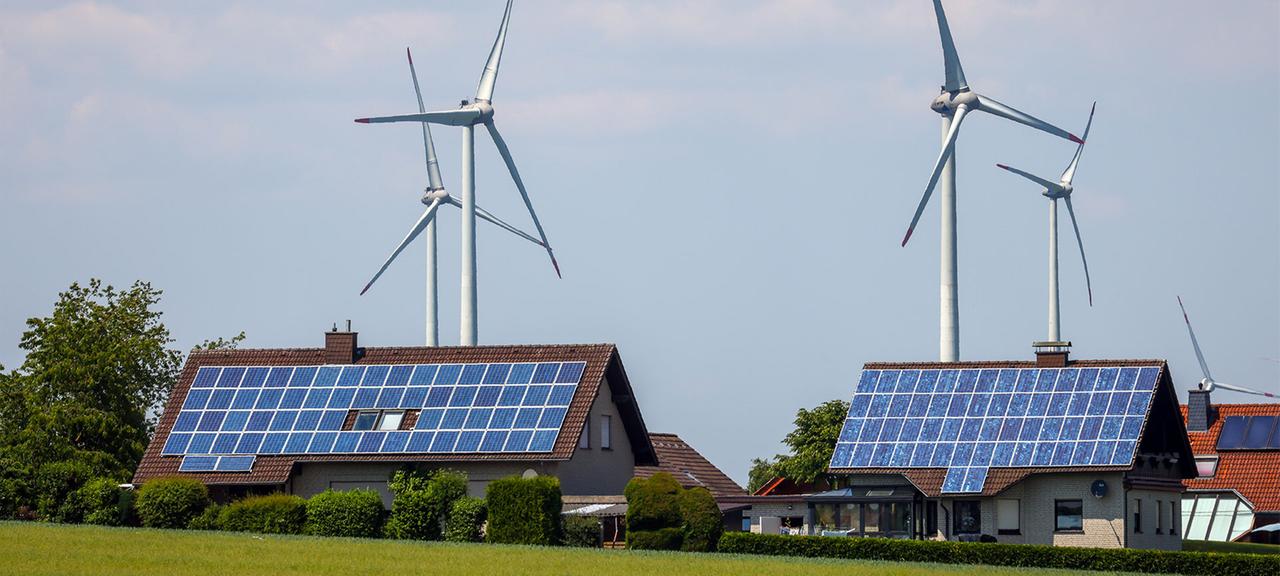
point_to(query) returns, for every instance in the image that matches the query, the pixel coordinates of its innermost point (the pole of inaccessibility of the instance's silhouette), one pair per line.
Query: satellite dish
(1098, 488)
(529, 473)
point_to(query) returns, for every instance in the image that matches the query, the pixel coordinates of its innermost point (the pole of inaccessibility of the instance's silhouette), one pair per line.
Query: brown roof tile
(1252, 473)
(276, 469)
(677, 458)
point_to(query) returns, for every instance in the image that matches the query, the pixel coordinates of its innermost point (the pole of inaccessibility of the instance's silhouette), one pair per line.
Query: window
(1137, 516)
(606, 432)
(871, 517)
(1068, 515)
(930, 518)
(1008, 516)
(1159, 517)
(1206, 466)
(390, 420)
(584, 441)
(1174, 518)
(365, 421)
(968, 517)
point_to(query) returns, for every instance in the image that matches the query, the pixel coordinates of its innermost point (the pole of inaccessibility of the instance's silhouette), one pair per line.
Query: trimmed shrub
(170, 502)
(466, 520)
(53, 484)
(703, 523)
(660, 539)
(1020, 555)
(15, 492)
(209, 519)
(273, 514)
(524, 511)
(652, 503)
(582, 531)
(353, 513)
(422, 502)
(101, 501)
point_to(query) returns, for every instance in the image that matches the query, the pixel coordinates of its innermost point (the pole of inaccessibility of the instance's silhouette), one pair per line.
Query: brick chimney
(1199, 411)
(340, 347)
(1051, 354)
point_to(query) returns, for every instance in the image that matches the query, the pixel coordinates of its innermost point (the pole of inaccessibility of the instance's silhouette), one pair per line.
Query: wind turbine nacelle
(430, 196)
(483, 107)
(947, 102)
(1062, 191)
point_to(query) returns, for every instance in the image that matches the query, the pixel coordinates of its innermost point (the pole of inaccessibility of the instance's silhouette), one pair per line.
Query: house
(303, 420)
(1055, 451)
(1237, 486)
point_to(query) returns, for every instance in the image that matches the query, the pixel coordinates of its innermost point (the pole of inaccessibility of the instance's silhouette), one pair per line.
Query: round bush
(703, 523)
(274, 514)
(582, 531)
(661, 539)
(210, 519)
(652, 503)
(170, 502)
(466, 520)
(353, 513)
(103, 502)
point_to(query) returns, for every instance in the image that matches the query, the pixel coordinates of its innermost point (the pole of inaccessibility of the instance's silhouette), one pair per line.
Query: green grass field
(1241, 547)
(36, 549)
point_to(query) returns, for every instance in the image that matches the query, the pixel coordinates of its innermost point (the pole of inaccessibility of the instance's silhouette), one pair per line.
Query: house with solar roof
(1237, 486)
(1055, 451)
(303, 420)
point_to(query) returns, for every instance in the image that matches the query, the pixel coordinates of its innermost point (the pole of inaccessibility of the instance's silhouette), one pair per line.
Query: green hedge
(1019, 555)
(170, 502)
(703, 523)
(210, 519)
(53, 485)
(524, 511)
(103, 502)
(422, 502)
(274, 514)
(466, 520)
(652, 503)
(582, 531)
(352, 513)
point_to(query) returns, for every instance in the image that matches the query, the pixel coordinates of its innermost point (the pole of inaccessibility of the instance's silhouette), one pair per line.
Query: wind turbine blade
(484, 91)
(1080, 242)
(413, 233)
(1243, 389)
(1032, 177)
(515, 175)
(951, 59)
(433, 167)
(1204, 367)
(496, 221)
(947, 148)
(1070, 172)
(988, 105)
(462, 117)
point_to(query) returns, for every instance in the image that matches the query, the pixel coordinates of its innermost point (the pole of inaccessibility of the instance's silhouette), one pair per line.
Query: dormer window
(1206, 466)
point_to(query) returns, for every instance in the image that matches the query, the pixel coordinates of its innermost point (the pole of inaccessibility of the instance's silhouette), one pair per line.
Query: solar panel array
(1249, 433)
(971, 420)
(233, 413)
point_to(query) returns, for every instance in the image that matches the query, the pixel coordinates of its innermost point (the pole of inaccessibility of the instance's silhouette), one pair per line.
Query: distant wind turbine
(955, 101)
(1208, 383)
(433, 197)
(1053, 191)
(467, 116)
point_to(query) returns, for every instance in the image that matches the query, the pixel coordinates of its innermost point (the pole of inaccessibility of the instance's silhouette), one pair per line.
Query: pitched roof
(677, 458)
(601, 360)
(930, 480)
(1252, 473)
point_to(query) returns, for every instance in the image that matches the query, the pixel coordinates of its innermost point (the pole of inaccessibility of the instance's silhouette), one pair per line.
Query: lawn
(37, 549)
(1241, 547)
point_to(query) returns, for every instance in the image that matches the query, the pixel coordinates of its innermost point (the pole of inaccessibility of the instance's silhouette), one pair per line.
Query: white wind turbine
(467, 116)
(433, 197)
(955, 101)
(1053, 191)
(1208, 383)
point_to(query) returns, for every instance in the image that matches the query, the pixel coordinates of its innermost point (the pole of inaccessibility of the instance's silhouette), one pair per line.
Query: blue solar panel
(198, 464)
(301, 410)
(969, 420)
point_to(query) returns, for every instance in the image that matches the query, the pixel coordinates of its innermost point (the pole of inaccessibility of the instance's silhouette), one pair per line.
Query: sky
(725, 182)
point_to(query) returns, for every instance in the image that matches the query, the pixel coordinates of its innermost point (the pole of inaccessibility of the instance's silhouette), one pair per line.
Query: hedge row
(524, 511)
(1019, 555)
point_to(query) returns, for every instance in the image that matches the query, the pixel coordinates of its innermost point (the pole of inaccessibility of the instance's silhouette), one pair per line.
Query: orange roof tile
(1252, 473)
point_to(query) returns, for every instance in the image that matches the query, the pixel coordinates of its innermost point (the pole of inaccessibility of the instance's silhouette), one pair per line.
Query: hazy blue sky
(725, 182)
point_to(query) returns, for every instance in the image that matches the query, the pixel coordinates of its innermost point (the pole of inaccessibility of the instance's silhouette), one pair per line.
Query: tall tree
(95, 372)
(811, 443)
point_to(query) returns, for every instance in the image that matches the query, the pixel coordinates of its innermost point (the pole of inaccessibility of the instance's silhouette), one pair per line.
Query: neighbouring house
(1056, 451)
(303, 420)
(677, 458)
(1237, 486)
